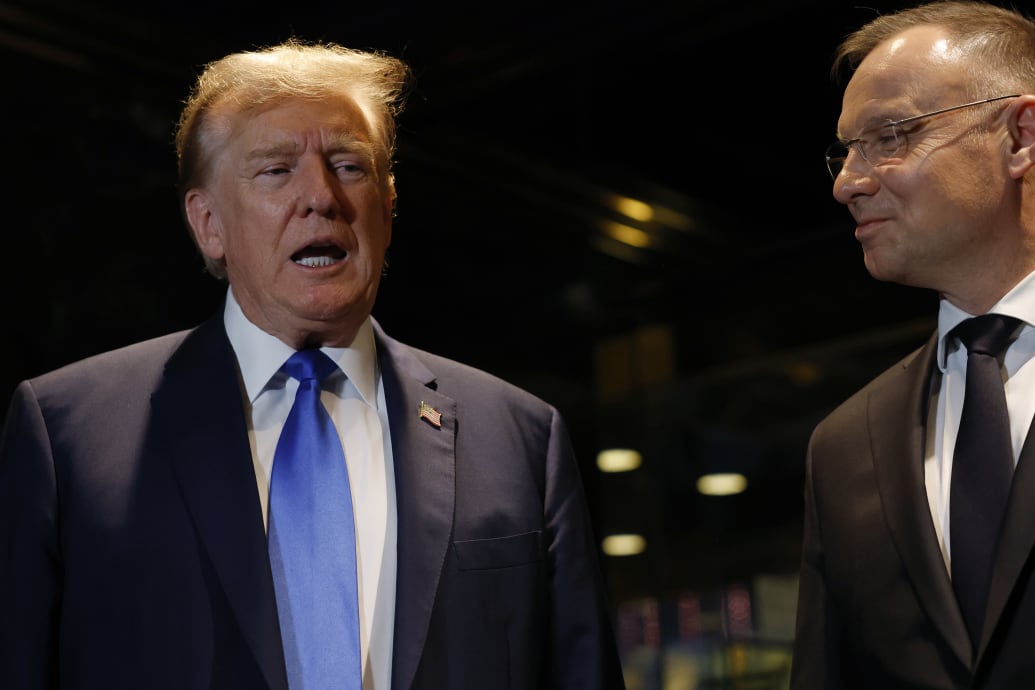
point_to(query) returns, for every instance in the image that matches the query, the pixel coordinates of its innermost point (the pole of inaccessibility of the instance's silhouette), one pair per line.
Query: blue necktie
(982, 466)
(312, 541)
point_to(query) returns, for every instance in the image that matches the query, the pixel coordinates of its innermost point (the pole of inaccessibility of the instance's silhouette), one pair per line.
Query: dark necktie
(982, 466)
(312, 542)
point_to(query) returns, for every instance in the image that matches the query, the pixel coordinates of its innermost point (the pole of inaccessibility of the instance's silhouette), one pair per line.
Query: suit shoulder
(450, 373)
(482, 394)
(897, 376)
(138, 361)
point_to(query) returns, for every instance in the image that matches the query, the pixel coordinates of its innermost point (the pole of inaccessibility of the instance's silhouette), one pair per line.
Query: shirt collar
(261, 355)
(1019, 302)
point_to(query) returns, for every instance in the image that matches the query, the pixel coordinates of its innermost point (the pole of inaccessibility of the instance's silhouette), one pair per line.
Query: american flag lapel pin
(430, 415)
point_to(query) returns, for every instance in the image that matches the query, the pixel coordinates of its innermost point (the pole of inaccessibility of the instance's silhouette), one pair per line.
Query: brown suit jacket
(876, 606)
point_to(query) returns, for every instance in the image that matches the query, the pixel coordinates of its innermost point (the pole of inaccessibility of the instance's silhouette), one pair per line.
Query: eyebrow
(274, 151)
(871, 124)
(340, 144)
(349, 144)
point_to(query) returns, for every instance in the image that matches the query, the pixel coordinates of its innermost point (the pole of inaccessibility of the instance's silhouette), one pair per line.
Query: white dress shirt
(355, 399)
(947, 396)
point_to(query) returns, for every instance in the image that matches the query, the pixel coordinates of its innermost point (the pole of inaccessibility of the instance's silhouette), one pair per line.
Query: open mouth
(318, 256)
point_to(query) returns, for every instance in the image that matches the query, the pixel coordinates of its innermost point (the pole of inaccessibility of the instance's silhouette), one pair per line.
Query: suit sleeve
(30, 572)
(816, 661)
(584, 654)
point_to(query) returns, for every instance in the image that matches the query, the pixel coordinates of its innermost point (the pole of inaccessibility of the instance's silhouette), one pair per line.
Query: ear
(1021, 122)
(388, 210)
(204, 223)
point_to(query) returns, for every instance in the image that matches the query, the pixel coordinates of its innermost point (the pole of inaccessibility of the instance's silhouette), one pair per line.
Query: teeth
(315, 261)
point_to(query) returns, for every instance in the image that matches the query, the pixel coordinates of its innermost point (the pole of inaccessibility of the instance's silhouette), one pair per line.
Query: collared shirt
(355, 399)
(947, 400)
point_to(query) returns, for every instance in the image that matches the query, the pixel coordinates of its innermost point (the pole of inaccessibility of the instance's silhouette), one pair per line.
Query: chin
(334, 309)
(882, 270)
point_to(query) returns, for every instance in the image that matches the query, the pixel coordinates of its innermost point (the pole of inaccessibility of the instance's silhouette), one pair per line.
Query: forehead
(234, 132)
(915, 70)
(337, 115)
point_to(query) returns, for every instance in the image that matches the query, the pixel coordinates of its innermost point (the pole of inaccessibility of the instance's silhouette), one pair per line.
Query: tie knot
(986, 334)
(309, 364)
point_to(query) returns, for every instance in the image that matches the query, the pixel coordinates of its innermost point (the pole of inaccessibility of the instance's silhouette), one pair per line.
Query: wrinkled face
(295, 207)
(928, 217)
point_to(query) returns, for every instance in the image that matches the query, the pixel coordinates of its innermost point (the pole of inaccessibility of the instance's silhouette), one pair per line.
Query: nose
(320, 191)
(855, 178)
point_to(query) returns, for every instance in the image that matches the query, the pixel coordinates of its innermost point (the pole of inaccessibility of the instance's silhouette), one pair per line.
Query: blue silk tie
(982, 466)
(312, 541)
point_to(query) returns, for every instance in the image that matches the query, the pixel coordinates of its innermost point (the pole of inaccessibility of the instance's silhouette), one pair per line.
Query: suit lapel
(200, 412)
(425, 462)
(1016, 540)
(898, 410)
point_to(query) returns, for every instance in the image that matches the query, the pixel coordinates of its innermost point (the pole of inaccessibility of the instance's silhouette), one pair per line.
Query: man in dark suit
(935, 164)
(135, 486)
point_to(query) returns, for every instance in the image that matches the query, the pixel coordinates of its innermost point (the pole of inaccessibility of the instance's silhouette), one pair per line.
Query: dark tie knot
(309, 364)
(986, 334)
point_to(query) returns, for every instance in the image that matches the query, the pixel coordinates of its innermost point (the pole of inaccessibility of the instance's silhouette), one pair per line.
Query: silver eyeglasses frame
(837, 152)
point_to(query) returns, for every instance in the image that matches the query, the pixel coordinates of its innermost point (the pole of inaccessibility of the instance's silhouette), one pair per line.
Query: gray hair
(1002, 40)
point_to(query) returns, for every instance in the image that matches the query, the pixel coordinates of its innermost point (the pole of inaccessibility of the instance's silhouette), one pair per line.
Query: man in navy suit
(134, 485)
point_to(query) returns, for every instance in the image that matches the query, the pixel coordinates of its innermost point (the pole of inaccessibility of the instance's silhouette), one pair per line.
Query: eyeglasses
(880, 144)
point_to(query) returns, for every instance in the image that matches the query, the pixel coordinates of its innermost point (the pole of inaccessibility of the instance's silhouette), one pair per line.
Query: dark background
(718, 345)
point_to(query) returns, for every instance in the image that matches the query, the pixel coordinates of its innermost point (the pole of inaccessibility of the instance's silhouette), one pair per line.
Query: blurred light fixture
(633, 208)
(618, 460)
(626, 234)
(721, 484)
(624, 545)
(618, 250)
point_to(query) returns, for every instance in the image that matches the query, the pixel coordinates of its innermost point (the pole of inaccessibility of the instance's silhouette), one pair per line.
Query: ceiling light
(624, 545)
(626, 234)
(618, 460)
(721, 484)
(633, 208)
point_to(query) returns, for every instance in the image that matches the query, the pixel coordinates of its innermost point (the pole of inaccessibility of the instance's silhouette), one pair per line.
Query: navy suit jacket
(133, 554)
(876, 605)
